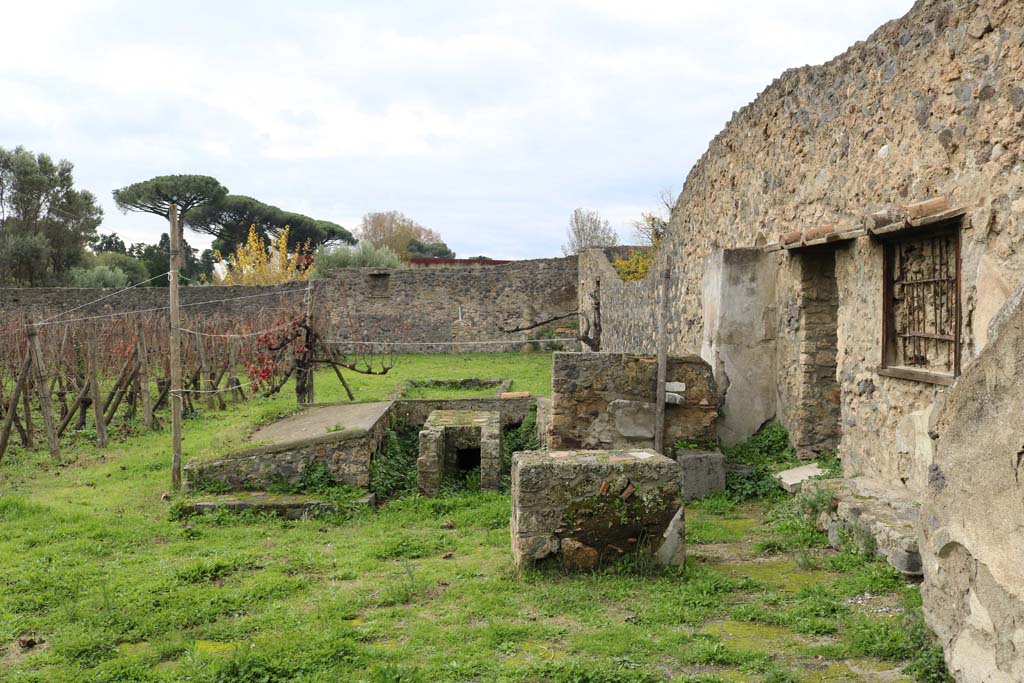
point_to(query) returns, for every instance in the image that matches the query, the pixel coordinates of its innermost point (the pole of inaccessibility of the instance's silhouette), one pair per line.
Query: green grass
(97, 564)
(528, 372)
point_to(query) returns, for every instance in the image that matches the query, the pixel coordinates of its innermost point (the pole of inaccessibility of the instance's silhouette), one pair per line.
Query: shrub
(327, 260)
(521, 438)
(258, 262)
(636, 266)
(763, 452)
(98, 277)
(769, 446)
(393, 470)
(133, 268)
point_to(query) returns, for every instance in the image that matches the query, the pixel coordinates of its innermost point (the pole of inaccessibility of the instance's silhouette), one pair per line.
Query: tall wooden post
(43, 387)
(12, 407)
(26, 404)
(659, 408)
(305, 374)
(94, 390)
(147, 398)
(175, 350)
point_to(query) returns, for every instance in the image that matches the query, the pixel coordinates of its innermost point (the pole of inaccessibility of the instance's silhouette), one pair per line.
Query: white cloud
(489, 122)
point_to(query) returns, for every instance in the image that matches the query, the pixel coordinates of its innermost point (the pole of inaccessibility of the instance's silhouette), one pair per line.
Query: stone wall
(626, 310)
(414, 307)
(929, 105)
(972, 534)
(346, 454)
(816, 423)
(414, 412)
(606, 401)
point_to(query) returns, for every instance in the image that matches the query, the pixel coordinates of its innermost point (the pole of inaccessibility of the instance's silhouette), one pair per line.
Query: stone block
(793, 479)
(703, 472)
(586, 507)
(672, 551)
(543, 420)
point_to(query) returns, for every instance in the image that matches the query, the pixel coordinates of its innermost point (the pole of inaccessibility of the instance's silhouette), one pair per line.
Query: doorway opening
(467, 459)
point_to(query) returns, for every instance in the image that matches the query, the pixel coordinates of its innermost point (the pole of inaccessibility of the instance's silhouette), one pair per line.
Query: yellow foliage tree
(636, 266)
(258, 263)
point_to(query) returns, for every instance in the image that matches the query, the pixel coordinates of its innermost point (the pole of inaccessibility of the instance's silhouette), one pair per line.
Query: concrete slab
(793, 480)
(320, 420)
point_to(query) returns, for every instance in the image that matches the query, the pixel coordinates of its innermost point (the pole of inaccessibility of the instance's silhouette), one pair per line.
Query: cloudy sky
(486, 121)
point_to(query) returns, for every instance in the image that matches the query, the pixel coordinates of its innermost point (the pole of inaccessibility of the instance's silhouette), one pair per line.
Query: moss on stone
(782, 575)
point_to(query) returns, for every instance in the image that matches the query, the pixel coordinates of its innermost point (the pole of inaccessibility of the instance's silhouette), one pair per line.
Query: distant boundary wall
(422, 310)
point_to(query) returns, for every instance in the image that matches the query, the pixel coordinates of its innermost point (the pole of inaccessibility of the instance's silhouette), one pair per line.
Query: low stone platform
(450, 439)
(322, 419)
(588, 506)
(872, 518)
(341, 437)
(289, 506)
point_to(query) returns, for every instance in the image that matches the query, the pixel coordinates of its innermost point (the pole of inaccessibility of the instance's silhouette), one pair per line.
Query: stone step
(287, 505)
(872, 518)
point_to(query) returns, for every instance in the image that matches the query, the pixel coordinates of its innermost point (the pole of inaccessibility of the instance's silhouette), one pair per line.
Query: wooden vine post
(94, 389)
(659, 408)
(12, 406)
(175, 349)
(304, 376)
(43, 387)
(147, 399)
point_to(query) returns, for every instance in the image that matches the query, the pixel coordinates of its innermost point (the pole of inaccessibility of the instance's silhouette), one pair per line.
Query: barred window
(921, 332)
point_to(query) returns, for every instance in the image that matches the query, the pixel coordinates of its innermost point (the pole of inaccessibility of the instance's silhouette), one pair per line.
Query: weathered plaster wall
(930, 104)
(738, 341)
(412, 306)
(972, 538)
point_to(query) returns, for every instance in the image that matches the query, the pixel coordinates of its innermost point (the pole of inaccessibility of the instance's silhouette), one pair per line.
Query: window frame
(949, 228)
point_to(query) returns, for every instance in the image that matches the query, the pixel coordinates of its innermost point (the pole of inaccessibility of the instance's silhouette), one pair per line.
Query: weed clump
(521, 438)
(393, 469)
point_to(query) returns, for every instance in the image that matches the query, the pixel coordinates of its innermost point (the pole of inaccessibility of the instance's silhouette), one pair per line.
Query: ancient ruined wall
(931, 104)
(414, 307)
(454, 304)
(971, 535)
(607, 400)
(627, 310)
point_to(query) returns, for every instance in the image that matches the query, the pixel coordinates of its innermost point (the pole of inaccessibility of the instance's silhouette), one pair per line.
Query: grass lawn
(94, 564)
(528, 372)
